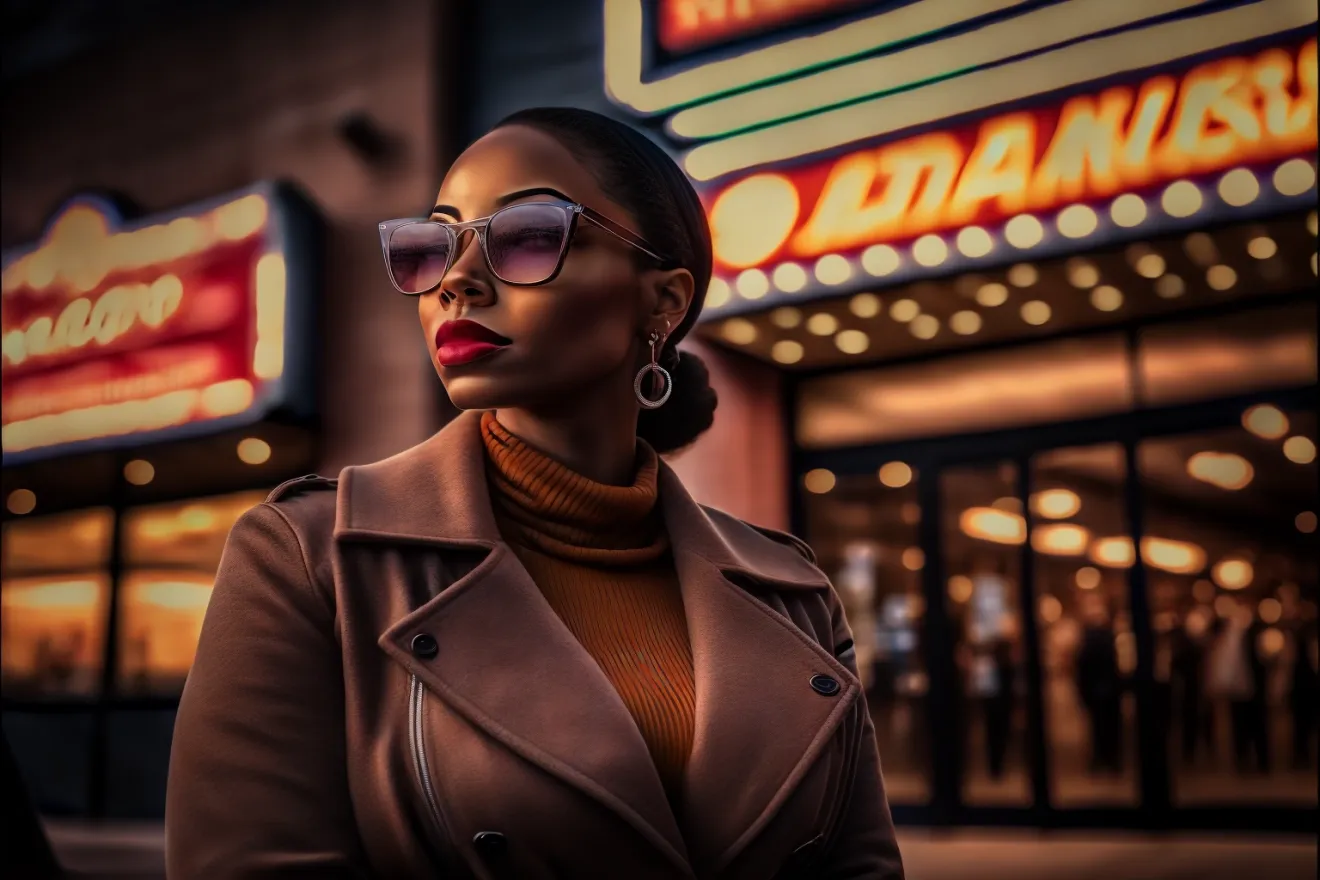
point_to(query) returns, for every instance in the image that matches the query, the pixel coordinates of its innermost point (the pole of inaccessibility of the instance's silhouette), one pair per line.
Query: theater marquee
(120, 332)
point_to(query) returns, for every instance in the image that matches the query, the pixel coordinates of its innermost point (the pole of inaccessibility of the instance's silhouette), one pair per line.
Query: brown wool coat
(380, 691)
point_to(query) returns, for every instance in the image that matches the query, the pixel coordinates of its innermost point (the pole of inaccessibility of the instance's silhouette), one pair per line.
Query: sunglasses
(524, 244)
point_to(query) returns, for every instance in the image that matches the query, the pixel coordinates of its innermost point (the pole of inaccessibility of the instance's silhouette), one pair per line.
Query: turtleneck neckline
(551, 508)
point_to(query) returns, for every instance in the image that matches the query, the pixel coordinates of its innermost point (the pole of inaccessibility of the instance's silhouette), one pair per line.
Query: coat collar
(512, 668)
(436, 493)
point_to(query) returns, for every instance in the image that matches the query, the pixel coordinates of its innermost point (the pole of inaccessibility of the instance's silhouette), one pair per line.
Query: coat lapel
(513, 669)
(505, 661)
(759, 723)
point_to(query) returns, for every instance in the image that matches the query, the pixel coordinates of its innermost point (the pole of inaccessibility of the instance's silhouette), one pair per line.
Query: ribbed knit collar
(542, 504)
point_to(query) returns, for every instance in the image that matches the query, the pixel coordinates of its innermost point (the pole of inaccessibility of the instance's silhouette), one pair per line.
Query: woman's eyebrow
(451, 211)
(448, 211)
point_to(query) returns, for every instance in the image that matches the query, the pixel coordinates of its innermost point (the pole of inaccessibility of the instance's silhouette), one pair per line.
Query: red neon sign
(110, 333)
(1219, 115)
(689, 24)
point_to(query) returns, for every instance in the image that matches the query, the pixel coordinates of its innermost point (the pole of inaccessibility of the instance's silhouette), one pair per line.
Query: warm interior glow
(865, 305)
(1036, 312)
(1087, 577)
(1023, 275)
(787, 351)
(989, 524)
(1221, 277)
(1082, 274)
(1233, 573)
(924, 326)
(818, 481)
(852, 341)
(252, 450)
(1060, 539)
(895, 474)
(1177, 557)
(965, 323)
(1299, 450)
(1262, 247)
(139, 472)
(992, 294)
(21, 502)
(904, 310)
(1150, 265)
(1170, 287)
(1265, 421)
(1107, 298)
(790, 277)
(752, 284)
(1056, 503)
(739, 331)
(822, 324)
(1222, 469)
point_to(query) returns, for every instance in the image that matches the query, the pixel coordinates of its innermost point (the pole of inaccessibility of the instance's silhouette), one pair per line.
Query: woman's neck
(597, 439)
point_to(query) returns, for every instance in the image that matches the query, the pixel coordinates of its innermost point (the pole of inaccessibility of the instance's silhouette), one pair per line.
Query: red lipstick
(460, 342)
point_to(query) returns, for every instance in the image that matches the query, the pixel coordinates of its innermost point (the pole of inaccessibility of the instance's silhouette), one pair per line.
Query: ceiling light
(818, 481)
(787, 351)
(1221, 277)
(790, 277)
(786, 317)
(1262, 247)
(739, 331)
(1239, 187)
(1299, 450)
(253, 450)
(965, 323)
(1128, 210)
(1266, 421)
(852, 341)
(881, 260)
(822, 324)
(1233, 573)
(975, 242)
(1201, 248)
(1169, 287)
(1036, 312)
(1056, 503)
(752, 284)
(1023, 275)
(1082, 274)
(1107, 298)
(1077, 221)
(22, 502)
(992, 294)
(1182, 199)
(1223, 469)
(924, 326)
(1150, 265)
(864, 305)
(895, 474)
(833, 269)
(904, 310)
(930, 251)
(1087, 577)
(1024, 231)
(139, 472)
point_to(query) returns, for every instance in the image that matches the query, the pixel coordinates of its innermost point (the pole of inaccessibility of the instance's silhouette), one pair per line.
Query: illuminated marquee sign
(1227, 113)
(175, 325)
(684, 25)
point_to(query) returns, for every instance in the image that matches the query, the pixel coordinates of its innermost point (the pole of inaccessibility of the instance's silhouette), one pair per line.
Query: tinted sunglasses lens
(524, 242)
(418, 256)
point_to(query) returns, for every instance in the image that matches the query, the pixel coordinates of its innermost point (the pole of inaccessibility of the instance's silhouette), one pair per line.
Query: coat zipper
(416, 702)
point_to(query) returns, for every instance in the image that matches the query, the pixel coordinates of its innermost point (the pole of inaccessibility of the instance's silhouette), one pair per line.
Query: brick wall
(200, 107)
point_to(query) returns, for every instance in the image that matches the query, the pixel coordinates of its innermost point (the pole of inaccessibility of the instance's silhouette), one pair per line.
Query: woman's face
(581, 330)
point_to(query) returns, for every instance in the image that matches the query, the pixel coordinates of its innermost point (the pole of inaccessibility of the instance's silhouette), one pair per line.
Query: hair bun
(689, 411)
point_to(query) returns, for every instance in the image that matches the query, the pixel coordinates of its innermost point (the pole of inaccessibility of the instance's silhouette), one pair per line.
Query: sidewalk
(135, 851)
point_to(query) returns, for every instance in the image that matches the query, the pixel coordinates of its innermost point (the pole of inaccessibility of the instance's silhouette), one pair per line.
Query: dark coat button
(424, 646)
(823, 684)
(490, 843)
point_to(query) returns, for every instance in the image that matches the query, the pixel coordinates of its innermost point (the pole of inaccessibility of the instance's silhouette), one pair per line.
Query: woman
(520, 649)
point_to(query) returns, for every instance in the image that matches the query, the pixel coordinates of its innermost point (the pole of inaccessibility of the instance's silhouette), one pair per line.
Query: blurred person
(1303, 690)
(520, 649)
(1100, 686)
(1236, 676)
(1196, 722)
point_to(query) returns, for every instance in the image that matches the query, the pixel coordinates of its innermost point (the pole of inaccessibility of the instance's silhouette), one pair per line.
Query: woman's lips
(460, 342)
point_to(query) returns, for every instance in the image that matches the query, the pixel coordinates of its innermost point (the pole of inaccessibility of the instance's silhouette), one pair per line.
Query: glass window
(53, 634)
(1231, 516)
(53, 753)
(1228, 355)
(172, 552)
(1082, 548)
(77, 541)
(983, 532)
(864, 531)
(1037, 384)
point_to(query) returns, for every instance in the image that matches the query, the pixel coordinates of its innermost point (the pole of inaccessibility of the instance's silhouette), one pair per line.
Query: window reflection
(1236, 665)
(1082, 550)
(983, 532)
(53, 634)
(864, 531)
(78, 541)
(172, 551)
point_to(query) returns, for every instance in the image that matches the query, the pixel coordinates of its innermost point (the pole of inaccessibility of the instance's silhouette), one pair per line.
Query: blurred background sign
(124, 331)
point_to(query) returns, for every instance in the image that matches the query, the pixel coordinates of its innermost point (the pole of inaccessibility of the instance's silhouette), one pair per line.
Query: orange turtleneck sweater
(600, 556)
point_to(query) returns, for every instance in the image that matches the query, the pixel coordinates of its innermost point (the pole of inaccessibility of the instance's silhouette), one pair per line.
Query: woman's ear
(672, 294)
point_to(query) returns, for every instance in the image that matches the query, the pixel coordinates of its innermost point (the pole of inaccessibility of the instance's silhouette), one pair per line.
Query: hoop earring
(655, 339)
